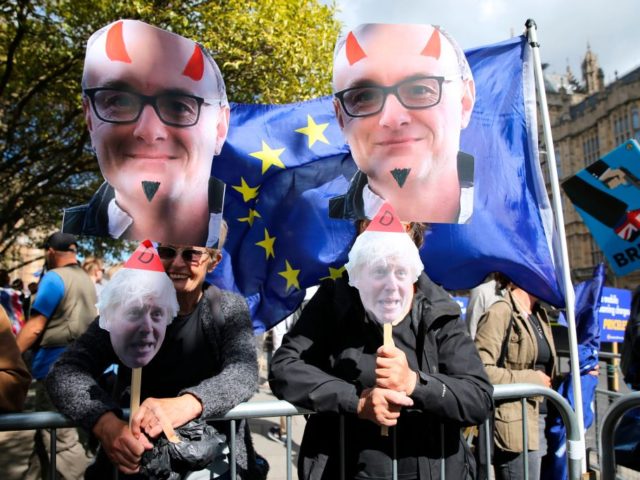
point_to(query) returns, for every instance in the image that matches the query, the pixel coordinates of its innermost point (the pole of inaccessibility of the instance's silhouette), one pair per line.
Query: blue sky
(564, 26)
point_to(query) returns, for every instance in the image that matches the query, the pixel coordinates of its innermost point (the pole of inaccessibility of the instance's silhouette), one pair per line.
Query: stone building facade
(589, 119)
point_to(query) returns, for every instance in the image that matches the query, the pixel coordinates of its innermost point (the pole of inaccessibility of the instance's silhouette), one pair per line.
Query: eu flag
(282, 164)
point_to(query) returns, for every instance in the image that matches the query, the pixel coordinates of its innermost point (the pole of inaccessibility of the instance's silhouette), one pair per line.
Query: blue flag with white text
(282, 164)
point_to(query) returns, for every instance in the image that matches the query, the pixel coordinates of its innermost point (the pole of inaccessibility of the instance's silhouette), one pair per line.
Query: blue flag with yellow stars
(282, 164)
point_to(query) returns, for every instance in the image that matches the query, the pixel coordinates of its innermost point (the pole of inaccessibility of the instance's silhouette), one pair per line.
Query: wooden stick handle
(136, 380)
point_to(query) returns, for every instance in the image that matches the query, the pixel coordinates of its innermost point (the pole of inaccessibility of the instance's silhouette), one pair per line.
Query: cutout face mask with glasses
(402, 95)
(157, 113)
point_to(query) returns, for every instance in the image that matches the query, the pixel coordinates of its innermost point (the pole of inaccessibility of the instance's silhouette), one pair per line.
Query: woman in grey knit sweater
(206, 366)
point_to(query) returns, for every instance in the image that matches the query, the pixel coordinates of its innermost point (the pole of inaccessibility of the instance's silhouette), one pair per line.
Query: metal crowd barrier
(262, 409)
(609, 423)
(575, 447)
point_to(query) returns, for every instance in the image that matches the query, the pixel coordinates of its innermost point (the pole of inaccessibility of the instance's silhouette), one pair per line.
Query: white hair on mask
(374, 248)
(134, 286)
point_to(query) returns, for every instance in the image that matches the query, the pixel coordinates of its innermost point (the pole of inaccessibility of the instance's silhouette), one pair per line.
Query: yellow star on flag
(334, 273)
(267, 244)
(269, 156)
(253, 214)
(247, 192)
(314, 131)
(291, 274)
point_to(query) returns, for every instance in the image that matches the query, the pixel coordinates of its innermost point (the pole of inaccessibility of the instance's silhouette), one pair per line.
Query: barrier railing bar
(394, 453)
(52, 457)
(443, 472)
(602, 355)
(343, 447)
(609, 424)
(575, 448)
(525, 438)
(232, 446)
(276, 408)
(610, 393)
(289, 460)
(488, 442)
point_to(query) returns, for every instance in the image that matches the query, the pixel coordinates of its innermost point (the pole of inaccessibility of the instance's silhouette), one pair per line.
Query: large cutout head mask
(136, 306)
(383, 265)
(157, 112)
(403, 93)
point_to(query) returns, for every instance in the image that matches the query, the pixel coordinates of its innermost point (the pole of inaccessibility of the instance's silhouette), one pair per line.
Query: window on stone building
(591, 149)
(624, 126)
(558, 163)
(635, 123)
(597, 256)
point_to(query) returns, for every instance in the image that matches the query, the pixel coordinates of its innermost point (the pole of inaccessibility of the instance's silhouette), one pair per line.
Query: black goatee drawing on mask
(150, 189)
(400, 175)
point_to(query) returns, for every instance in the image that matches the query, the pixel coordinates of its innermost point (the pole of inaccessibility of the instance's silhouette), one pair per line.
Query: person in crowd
(14, 375)
(95, 269)
(25, 298)
(482, 297)
(64, 308)
(135, 309)
(10, 301)
(627, 434)
(429, 385)
(402, 95)
(157, 112)
(33, 289)
(205, 366)
(630, 358)
(277, 432)
(515, 344)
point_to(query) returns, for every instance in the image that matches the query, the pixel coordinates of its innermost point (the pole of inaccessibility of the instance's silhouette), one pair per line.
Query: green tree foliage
(269, 51)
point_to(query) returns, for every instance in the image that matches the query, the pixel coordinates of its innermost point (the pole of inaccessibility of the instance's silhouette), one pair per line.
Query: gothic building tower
(592, 74)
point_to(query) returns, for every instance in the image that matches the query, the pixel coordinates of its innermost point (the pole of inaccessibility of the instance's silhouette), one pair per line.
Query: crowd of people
(381, 355)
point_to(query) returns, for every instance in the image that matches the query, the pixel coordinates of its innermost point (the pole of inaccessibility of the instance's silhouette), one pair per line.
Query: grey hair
(221, 89)
(372, 248)
(463, 64)
(133, 285)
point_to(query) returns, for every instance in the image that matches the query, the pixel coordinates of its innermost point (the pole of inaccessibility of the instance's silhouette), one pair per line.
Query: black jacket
(319, 366)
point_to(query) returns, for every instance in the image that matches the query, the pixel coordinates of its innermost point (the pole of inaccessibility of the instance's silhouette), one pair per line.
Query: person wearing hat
(64, 308)
(428, 386)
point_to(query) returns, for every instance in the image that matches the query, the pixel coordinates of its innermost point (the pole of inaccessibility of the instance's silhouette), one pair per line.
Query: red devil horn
(115, 48)
(432, 49)
(195, 66)
(354, 50)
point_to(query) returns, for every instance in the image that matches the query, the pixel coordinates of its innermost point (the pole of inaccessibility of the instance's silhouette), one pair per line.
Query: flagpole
(575, 451)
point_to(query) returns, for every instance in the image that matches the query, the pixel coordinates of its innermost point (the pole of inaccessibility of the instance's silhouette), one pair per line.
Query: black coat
(328, 358)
